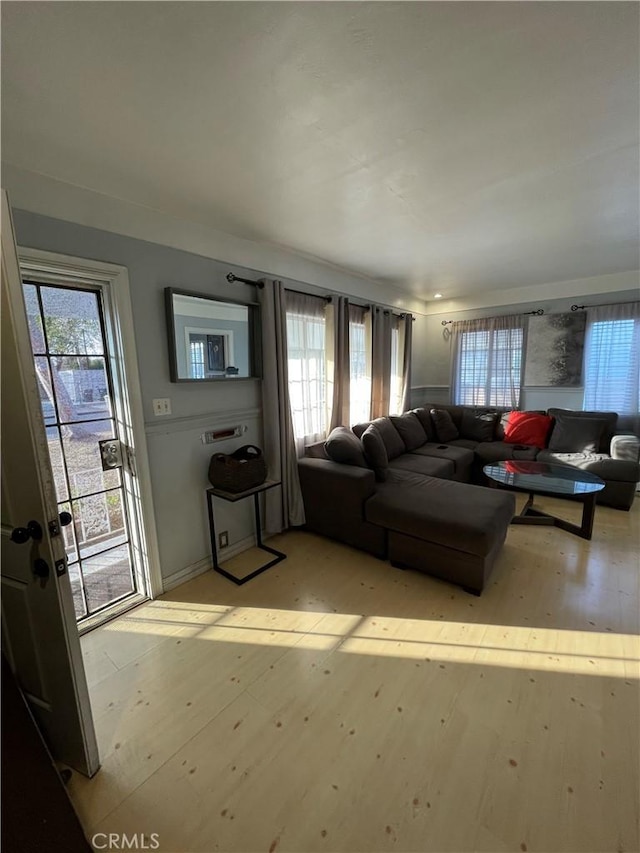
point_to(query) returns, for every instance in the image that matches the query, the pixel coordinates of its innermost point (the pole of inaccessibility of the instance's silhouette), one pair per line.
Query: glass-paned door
(67, 329)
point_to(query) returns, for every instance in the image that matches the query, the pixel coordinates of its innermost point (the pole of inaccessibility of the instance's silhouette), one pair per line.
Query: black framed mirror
(211, 339)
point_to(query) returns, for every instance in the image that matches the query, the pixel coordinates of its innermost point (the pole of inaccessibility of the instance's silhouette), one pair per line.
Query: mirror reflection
(211, 339)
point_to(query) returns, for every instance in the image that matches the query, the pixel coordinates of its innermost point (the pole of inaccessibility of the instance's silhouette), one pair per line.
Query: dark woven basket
(238, 471)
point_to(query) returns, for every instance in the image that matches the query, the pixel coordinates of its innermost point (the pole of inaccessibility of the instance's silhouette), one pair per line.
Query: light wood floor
(337, 704)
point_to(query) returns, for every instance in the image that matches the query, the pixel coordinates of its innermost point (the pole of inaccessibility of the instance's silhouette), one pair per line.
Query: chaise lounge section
(448, 529)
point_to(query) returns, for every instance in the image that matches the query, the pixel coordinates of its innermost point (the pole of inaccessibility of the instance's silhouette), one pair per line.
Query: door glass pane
(107, 577)
(99, 522)
(72, 321)
(81, 388)
(84, 463)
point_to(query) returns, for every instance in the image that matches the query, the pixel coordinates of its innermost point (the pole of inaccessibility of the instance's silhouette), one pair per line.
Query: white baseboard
(189, 572)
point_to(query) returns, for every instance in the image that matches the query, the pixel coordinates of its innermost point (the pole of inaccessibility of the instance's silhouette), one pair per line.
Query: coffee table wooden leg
(588, 514)
(529, 515)
(585, 529)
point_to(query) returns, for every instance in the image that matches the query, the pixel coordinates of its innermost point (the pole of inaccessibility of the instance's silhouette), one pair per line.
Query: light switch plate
(162, 406)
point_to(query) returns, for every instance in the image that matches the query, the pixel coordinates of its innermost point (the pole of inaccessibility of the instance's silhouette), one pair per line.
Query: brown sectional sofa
(398, 492)
(615, 460)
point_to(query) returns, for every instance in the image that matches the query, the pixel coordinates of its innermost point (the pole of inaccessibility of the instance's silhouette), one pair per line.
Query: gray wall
(178, 459)
(432, 353)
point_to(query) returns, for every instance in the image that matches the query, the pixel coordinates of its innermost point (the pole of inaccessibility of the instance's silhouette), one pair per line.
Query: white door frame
(114, 284)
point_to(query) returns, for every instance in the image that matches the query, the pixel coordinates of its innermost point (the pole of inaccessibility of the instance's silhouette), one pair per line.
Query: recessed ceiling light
(437, 296)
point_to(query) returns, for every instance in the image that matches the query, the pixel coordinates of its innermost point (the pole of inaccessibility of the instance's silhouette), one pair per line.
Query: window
(359, 365)
(488, 363)
(306, 345)
(196, 357)
(612, 361)
(397, 356)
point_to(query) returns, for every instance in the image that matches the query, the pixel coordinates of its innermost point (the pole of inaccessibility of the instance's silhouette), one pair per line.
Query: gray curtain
(340, 410)
(407, 328)
(487, 361)
(283, 506)
(380, 361)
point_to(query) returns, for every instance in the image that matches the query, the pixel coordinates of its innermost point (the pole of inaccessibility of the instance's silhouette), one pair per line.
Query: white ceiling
(453, 147)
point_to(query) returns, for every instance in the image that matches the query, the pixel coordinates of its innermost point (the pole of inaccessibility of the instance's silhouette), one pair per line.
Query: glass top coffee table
(542, 478)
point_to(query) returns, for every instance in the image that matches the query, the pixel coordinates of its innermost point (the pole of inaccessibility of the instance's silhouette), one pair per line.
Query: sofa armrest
(322, 479)
(315, 451)
(625, 446)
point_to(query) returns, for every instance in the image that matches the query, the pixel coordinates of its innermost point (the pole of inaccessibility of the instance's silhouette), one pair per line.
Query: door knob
(20, 535)
(65, 518)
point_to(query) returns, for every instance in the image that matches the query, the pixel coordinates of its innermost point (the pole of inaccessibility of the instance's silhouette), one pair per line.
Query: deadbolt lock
(110, 453)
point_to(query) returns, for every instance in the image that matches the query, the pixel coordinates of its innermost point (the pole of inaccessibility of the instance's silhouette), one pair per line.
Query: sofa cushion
(461, 457)
(375, 452)
(625, 446)
(501, 425)
(428, 466)
(497, 451)
(577, 435)
(358, 429)
(343, 446)
(478, 424)
(445, 428)
(427, 424)
(394, 445)
(466, 518)
(467, 443)
(610, 417)
(530, 428)
(389, 434)
(410, 430)
(619, 470)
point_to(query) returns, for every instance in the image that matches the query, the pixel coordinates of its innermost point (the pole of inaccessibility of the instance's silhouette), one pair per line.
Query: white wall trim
(117, 278)
(188, 573)
(195, 422)
(558, 389)
(206, 564)
(426, 387)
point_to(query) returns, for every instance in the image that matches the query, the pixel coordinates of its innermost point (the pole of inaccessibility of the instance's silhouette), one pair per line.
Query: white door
(39, 634)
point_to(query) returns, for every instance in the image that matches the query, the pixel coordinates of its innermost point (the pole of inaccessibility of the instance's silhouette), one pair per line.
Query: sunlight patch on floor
(542, 649)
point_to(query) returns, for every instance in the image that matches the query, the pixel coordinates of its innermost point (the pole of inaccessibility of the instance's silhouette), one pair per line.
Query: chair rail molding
(221, 420)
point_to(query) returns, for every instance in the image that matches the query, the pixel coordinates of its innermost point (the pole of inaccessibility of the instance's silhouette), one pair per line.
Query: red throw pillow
(527, 428)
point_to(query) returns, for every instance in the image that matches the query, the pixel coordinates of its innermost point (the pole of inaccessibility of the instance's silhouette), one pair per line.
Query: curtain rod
(312, 295)
(539, 313)
(330, 299)
(231, 277)
(602, 305)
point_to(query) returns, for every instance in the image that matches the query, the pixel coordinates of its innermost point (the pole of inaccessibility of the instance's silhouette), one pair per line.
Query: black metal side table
(238, 496)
